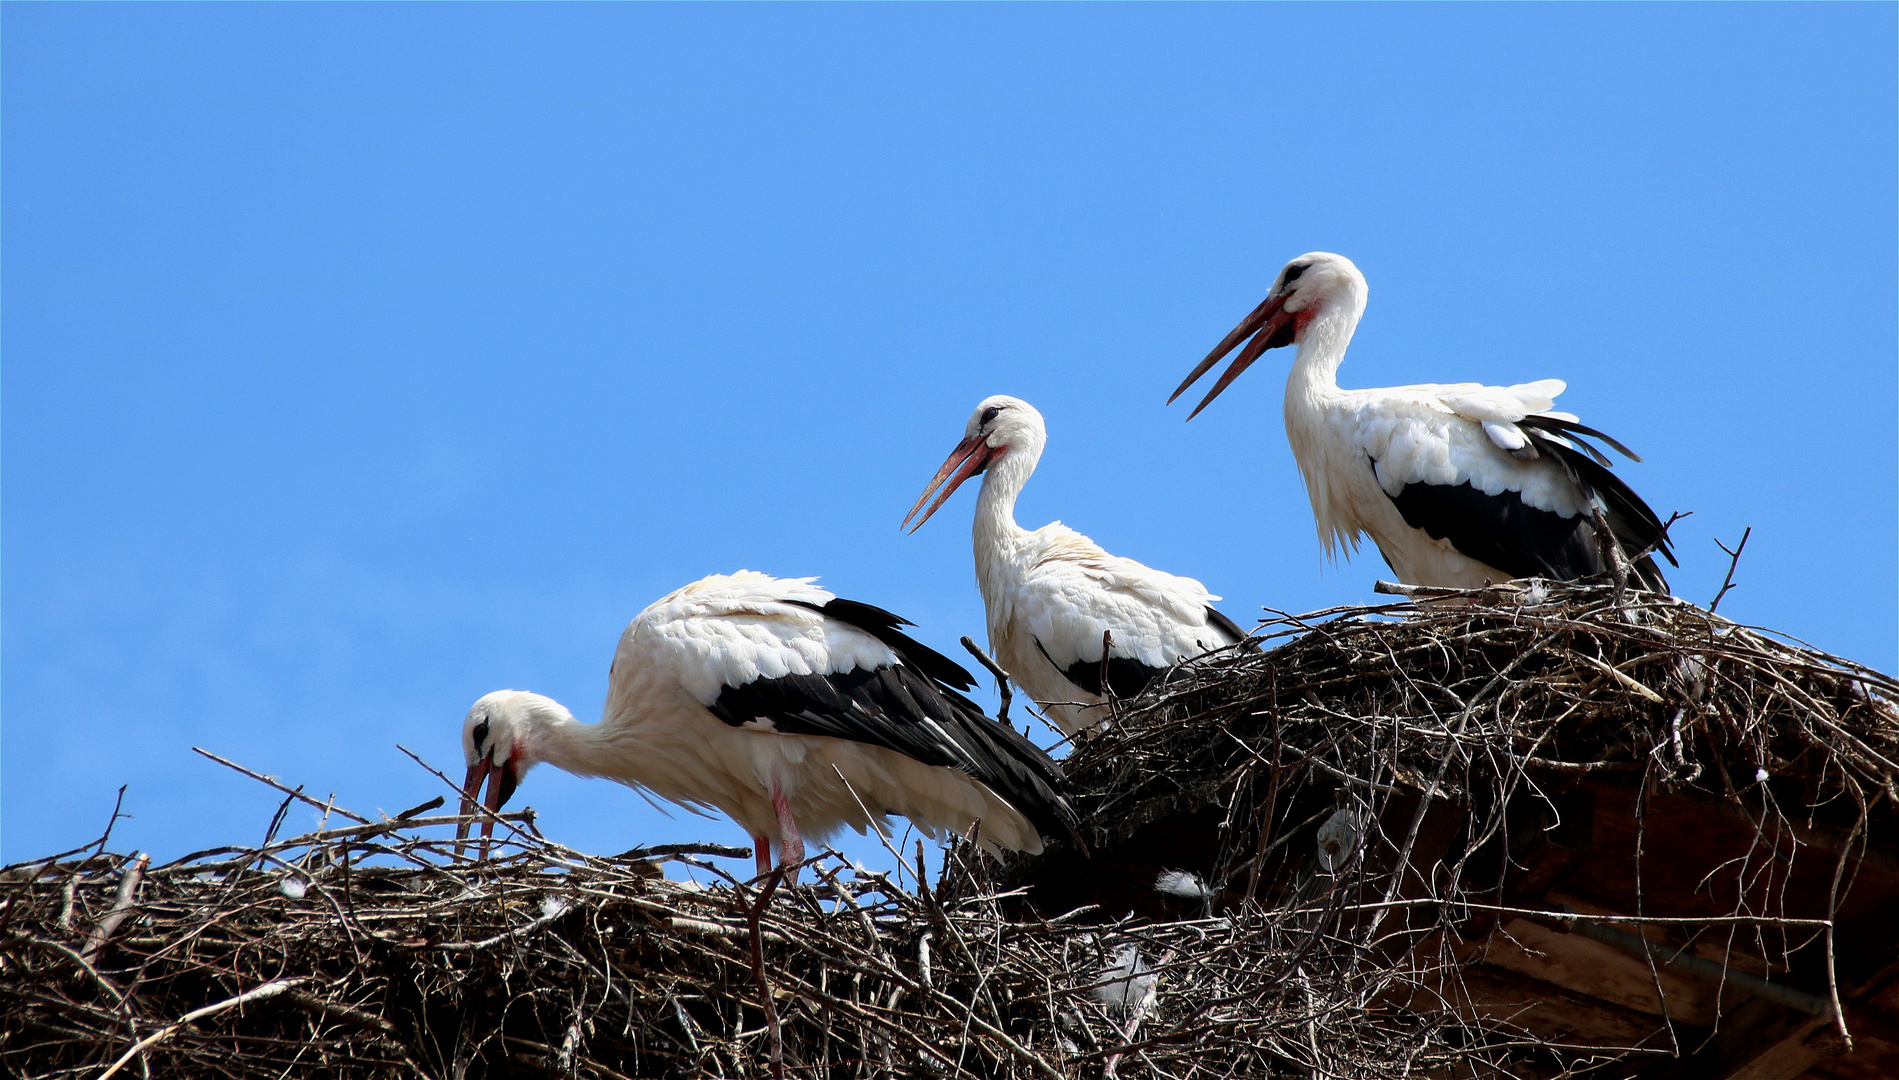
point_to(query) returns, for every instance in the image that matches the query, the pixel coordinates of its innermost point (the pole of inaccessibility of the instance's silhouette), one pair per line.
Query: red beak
(501, 783)
(970, 458)
(1265, 324)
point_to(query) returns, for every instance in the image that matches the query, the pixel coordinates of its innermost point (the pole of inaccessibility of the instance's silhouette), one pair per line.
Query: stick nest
(380, 950)
(1467, 697)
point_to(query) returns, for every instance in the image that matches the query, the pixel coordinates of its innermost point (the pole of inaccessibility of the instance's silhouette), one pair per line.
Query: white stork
(1460, 485)
(791, 710)
(1051, 594)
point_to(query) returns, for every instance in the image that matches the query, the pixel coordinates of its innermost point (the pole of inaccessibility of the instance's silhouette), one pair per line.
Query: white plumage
(789, 709)
(1460, 485)
(1051, 593)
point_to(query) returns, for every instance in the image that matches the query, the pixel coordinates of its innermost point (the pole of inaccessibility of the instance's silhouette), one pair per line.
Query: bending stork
(1460, 485)
(791, 710)
(1052, 594)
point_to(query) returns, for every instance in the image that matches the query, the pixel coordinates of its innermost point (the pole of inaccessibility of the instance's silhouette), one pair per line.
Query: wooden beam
(1598, 970)
(1757, 1041)
(1542, 1009)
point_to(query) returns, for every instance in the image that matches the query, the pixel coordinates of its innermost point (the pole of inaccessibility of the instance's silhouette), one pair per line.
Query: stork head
(1000, 426)
(1307, 287)
(499, 740)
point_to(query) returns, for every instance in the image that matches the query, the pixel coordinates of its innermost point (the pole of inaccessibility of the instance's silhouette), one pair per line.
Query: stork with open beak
(790, 709)
(1072, 624)
(1460, 485)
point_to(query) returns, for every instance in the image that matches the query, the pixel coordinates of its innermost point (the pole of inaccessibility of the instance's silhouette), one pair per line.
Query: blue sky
(361, 359)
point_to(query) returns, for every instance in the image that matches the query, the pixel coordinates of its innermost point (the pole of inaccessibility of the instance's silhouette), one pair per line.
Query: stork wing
(1076, 593)
(1124, 678)
(791, 658)
(900, 709)
(882, 625)
(1502, 531)
(1503, 479)
(1227, 626)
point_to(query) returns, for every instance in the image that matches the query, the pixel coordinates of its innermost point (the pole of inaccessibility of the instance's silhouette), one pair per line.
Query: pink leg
(790, 844)
(761, 851)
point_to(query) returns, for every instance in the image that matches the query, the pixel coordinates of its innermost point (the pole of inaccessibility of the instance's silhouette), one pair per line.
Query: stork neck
(1322, 349)
(567, 744)
(994, 528)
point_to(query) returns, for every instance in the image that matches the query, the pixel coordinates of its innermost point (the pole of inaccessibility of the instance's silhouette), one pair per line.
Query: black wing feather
(1227, 626)
(1524, 541)
(1637, 527)
(1501, 530)
(1127, 677)
(882, 625)
(901, 708)
(1568, 427)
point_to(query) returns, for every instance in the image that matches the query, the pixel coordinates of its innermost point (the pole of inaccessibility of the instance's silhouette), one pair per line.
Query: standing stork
(1460, 485)
(791, 710)
(1056, 602)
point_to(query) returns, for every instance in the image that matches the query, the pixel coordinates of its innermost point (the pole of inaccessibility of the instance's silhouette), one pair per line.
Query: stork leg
(761, 852)
(790, 844)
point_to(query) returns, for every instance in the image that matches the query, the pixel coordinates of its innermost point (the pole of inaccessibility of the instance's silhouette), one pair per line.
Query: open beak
(970, 458)
(501, 783)
(1270, 327)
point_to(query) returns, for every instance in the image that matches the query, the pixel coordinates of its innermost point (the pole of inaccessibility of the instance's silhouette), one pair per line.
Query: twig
(367, 831)
(1685, 959)
(270, 834)
(659, 851)
(1429, 592)
(412, 811)
(121, 908)
(268, 990)
(1139, 1012)
(1833, 906)
(272, 782)
(481, 810)
(1619, 568)
(1563, 915)
(1734, 560)
(85, 965)
(757, 912)
(1002, 677)
(99, 846)
(1626, 682)
(1662, 537)
(884, 839)
(344, 1012)
(559, 910)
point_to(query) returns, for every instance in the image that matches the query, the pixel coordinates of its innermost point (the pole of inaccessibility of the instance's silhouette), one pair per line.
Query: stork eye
(481, 735)
(1292, 273)
(990, 414)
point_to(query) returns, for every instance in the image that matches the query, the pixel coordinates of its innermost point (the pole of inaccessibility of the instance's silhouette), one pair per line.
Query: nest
(1407, 779)
(376, 951)
(1465, 696)
(1321, 931)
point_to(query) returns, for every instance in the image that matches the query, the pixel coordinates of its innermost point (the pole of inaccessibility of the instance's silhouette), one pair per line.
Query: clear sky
(361, 359)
